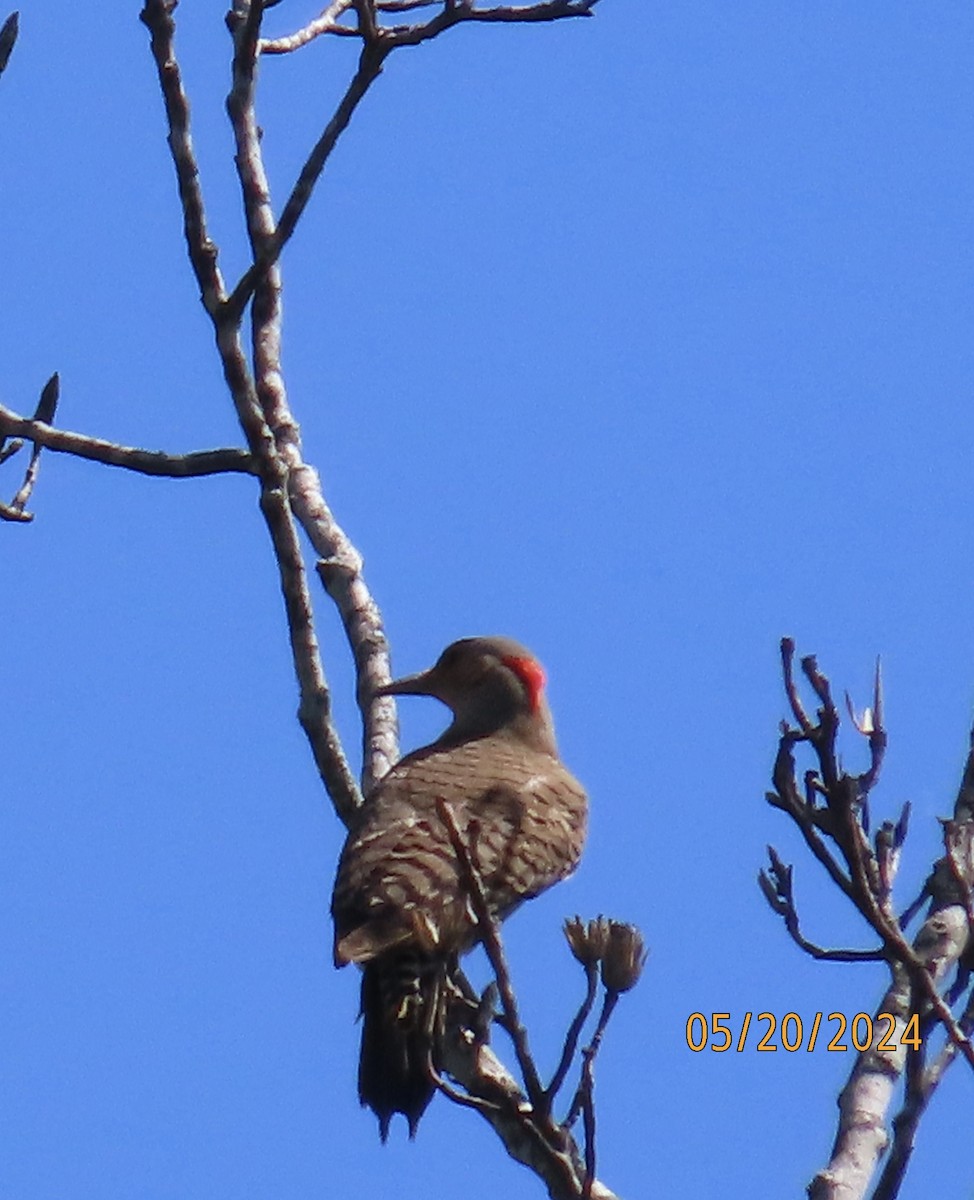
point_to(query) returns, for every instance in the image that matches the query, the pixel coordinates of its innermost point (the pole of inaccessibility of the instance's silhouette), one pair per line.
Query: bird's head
(489, 684)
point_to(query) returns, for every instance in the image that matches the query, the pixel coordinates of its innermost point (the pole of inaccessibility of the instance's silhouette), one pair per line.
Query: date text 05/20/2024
(855, 1033)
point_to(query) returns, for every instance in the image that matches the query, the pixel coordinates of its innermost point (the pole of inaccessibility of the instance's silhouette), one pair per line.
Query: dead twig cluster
(831, 809)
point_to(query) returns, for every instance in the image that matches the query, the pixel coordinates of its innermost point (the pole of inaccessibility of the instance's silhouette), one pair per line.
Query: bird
(400, 906)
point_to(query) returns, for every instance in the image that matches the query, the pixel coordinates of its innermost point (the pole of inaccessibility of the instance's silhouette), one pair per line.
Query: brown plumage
(400, 908)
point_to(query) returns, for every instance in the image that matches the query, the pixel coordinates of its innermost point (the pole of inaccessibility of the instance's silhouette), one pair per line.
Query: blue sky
(644, 339)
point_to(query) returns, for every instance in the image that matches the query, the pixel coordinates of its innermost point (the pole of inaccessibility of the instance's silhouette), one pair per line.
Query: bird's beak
(420, 684)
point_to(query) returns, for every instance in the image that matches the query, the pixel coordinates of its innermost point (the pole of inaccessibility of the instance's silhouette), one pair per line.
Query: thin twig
(787, 798)
(574, 1032)
(327, 22)
(776, 885)
(9, 451)
(456, 14)
(146, 462)
(791, 688)
(911, 910)
(463, 1098)
(490, 936)
(396, 6)
(23, 494)
(588, 1122)
(584, 1102)
(845, 956)
(157, 17)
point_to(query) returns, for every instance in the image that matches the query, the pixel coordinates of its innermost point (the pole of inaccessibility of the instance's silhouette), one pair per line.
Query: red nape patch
(531, 674)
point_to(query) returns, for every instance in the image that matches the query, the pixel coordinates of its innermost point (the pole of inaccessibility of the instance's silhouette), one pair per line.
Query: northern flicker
(400, 907)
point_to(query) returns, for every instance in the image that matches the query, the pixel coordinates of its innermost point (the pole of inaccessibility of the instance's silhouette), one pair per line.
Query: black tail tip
(385, 1122)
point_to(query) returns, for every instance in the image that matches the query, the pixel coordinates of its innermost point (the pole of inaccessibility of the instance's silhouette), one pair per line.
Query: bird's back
(521, 814)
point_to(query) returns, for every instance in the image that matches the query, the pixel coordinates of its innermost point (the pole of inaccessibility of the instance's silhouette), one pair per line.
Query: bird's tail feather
(402, 1001)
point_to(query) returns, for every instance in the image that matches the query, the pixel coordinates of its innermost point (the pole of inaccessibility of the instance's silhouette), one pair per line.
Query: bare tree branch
(112, 454)
(454, 13)
(327, 22)
(157, 17)
(397, 6)
(367, 26)
(315, 706)
(344, 582)
(340, 565)
(314, 711)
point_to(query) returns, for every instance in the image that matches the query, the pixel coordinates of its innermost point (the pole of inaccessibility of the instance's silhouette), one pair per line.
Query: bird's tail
(402, 1005)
